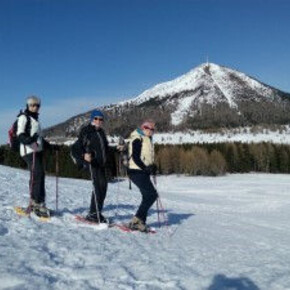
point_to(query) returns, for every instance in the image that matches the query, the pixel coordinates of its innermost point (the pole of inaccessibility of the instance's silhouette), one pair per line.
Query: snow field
(224, 233)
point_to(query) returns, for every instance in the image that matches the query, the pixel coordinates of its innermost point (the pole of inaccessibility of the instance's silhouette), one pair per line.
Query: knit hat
(97, 114)
(148, 124)
(33, 100)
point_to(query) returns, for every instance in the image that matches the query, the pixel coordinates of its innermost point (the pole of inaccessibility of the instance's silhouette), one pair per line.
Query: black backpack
(14, 143)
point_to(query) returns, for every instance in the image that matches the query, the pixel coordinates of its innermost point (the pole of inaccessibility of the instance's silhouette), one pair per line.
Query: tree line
(203, 159)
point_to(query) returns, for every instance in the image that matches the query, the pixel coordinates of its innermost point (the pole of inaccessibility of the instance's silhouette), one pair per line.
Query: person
(32, 146)
(91, 151)
(141, 166)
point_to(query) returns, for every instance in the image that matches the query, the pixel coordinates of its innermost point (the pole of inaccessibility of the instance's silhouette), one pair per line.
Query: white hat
(33, 100)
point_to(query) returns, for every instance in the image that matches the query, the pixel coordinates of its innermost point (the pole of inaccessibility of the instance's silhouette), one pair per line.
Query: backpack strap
(28, 124)
(28, 121)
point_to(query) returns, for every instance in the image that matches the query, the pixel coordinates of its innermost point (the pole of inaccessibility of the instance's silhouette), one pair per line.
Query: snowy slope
(224, 233)
(208, 83)
(207, 73)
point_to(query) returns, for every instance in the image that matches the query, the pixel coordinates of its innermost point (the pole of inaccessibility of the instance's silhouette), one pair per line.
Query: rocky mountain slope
(209, 96)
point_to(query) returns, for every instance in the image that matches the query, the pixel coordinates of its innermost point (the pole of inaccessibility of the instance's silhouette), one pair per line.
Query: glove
(121, 148)
(34, 138)
(151, 169)
(55, 147)
(94, 162)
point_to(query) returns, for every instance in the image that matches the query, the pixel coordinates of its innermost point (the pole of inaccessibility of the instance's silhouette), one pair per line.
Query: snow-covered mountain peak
(188, 81)
(208, 77)
(208, 83)
(208, 96)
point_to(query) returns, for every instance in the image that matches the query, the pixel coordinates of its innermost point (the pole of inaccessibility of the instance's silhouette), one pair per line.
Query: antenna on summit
(207, 62)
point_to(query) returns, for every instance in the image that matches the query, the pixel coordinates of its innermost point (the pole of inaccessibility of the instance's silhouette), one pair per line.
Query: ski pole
(158, 212)
(159, 204)
(118, 186)
(56, 178)
(157, 201)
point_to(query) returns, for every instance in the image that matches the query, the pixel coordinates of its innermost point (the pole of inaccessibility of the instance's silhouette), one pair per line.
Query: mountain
(209, 96)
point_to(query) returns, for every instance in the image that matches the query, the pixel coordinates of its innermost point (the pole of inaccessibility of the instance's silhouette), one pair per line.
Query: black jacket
(90, 140)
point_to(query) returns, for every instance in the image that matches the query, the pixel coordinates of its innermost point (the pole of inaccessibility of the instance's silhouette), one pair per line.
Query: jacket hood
(138, 133)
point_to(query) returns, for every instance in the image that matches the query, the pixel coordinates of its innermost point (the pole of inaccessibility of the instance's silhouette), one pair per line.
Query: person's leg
(149, 194)
(37, 177)
(100, 187)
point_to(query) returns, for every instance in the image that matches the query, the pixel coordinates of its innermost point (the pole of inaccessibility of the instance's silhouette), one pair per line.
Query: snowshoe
(129, 229)
(93, 217)
(25, 212)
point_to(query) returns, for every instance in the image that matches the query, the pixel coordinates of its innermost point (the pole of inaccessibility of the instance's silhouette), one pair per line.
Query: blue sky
(78, 54)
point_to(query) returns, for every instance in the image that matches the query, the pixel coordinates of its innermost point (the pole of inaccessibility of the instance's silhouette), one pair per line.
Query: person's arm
(78, 151)
(23, 137)
(136, 153)
(48, 146)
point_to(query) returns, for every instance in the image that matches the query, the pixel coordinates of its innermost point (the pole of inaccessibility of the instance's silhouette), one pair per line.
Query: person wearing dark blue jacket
(91, 151)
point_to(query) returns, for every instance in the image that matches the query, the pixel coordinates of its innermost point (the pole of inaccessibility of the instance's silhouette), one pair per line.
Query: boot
(40, 209)
(137, 224)
(93, 217)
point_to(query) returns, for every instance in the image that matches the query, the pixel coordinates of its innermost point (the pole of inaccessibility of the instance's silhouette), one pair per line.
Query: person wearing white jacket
(32, 145)
(141, 166)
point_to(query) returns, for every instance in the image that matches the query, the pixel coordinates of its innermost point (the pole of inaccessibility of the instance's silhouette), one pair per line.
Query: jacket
(27, 142)
(90, 140)
(141, 150)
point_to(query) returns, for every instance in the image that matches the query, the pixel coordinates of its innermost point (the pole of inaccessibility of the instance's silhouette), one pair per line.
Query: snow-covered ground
(229, 232)
(242, 134)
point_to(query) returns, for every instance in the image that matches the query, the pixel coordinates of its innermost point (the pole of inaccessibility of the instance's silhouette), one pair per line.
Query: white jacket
(35, 128)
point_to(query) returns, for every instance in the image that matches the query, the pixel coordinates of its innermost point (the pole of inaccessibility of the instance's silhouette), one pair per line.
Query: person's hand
(95, 162)
(151, 169)
(88, 157)
(121, 148)
(34, 138)
(55, 147)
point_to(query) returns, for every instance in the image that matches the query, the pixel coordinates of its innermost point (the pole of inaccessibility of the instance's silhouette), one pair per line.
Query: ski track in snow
(228, 232)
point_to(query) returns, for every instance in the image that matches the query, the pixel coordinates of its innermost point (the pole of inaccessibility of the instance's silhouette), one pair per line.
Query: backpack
(76, 151)
(14, 143)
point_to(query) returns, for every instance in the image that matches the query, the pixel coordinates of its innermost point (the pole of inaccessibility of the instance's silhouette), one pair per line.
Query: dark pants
(148, 191)
(100, 185)
(37, 176)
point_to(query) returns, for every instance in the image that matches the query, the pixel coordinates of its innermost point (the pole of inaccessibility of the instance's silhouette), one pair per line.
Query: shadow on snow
(222, 282)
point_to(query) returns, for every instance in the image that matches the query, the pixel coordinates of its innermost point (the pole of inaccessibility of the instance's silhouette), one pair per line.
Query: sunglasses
(147, 128)
(34, 105)
(99, 119)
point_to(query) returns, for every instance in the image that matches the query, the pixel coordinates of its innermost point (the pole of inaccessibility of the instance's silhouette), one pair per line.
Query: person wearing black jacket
(90, 151)
(32, 146)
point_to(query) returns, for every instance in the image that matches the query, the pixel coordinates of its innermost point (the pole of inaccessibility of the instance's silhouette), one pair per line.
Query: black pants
(37, 176)
(100, 185)
(149, 194)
